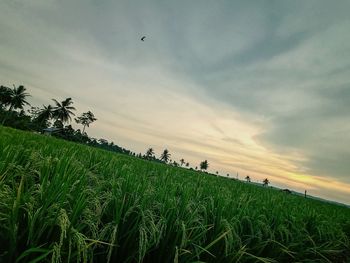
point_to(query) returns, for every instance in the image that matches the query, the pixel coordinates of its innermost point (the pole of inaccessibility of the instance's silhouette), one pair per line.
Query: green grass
(65, 202)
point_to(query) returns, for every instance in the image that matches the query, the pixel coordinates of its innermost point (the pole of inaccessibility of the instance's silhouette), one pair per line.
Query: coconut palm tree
(149, 153)
(165, 156)
(14, 98)
(18, 98)
(86, 119)
(266, 182)
(204, 165)
(182, 162)
(44, 115)
(187, 164)
(5, 96)
(63, 110)
(247, 178)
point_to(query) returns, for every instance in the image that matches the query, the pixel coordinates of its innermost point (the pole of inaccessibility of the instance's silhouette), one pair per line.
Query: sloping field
(64, 202)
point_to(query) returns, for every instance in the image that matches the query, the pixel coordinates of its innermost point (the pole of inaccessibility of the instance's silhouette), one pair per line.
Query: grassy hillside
(64, 202)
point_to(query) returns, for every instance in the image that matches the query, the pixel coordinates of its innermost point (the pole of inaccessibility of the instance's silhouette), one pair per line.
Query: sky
(258, 88)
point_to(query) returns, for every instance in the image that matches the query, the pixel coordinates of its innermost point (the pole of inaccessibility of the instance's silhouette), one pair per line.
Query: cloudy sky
(261, 88)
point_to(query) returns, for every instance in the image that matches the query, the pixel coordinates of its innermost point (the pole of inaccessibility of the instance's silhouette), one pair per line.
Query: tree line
(56, 120)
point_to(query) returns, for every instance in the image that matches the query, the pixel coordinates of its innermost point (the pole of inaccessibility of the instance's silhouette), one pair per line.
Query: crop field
(65, 202)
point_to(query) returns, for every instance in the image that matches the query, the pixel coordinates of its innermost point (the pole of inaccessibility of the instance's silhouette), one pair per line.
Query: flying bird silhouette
(143, 38)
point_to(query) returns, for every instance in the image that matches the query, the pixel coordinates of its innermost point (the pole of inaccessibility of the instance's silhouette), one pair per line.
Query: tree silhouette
(149, 153)
(204, 165)
(266, 182)
(247, 178)
(18, 98)
(44, 115)
(85, 119)
(187, 164)
(165, 156)
(182, 162)
(5, 96)
(63, 110)
(14, 98)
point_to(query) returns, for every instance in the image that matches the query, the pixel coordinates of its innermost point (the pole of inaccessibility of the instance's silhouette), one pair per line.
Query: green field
(65, 202)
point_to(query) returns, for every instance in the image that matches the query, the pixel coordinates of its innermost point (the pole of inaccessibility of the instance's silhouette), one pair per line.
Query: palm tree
(15, 98)
(182, 162)
(44, 115)
(266, 182)
(63, 110)
(204, 165)
(149, 153)
(18, 98)
(165, 156)
(187, 164)
(5, 96)
(247, 178)
(86, 119)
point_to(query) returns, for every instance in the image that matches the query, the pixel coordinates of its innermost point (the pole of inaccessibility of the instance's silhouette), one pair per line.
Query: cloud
(259, 88)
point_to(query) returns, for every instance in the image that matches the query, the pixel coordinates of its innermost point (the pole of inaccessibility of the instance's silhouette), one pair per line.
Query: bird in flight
(143, 38)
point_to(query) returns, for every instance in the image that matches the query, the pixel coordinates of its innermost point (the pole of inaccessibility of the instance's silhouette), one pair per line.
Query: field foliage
(65, 202)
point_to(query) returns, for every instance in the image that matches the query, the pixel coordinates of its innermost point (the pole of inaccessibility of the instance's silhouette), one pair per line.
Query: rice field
(65, 202)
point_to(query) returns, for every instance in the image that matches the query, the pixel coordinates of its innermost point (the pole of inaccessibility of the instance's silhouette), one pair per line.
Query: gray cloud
(281, 64)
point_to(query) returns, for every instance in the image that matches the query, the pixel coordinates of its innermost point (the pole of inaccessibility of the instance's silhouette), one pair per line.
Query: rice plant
(65, 202)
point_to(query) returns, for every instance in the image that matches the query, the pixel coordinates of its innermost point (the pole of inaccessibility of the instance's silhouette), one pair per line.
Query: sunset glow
(259, 90)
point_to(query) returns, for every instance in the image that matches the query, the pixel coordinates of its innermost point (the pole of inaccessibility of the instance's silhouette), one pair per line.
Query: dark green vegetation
(57, 117)
(56, 120)
(66, 202)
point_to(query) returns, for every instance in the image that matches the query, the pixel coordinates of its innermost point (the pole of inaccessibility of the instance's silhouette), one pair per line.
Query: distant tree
(58, 124)
(165, 156)
(217, 172)
(175, 164)
(18, 98)
(266, 182)
(85, 119)
(103, 143)
(149, 153)
(187, 164)
(228, 175)
(14, 98)
(204, 165)
(247, 178)
(182, 162)
(196, 167)
(63, 110)
(5, 96)
(43, 115)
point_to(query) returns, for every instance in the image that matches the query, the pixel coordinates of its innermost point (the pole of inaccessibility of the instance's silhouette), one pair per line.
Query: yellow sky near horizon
(196, 132)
